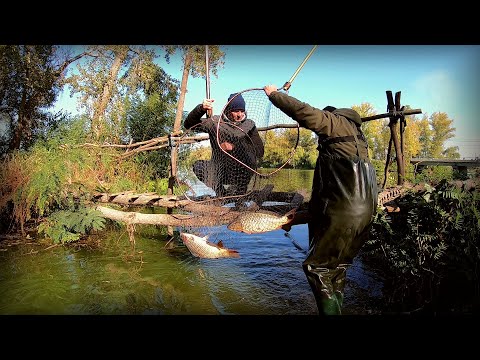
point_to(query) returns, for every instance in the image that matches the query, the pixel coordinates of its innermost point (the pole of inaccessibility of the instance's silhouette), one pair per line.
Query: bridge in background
(459, 165)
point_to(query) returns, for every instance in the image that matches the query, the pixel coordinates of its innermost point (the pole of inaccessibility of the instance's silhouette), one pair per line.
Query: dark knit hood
(238, 103)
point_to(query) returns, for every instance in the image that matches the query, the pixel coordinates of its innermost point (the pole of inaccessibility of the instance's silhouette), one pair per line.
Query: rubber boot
(339, 296)
(331, 306)
(320, 280)
(339, 283)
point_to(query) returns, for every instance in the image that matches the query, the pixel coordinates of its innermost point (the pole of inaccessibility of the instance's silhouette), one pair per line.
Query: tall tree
(434, 131)
(425, 137)
(152, 115)
(411, 138)
(108, 76)
(30, 82)
(374, 131)
(194, 63)
(442, 131)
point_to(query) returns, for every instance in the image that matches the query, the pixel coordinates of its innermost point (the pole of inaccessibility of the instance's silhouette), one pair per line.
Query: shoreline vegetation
(424, 242)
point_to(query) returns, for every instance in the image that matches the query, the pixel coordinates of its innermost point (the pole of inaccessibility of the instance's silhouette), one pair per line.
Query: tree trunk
(130, 218)
(387, 162)
(178, 122)
(398, 152)
(23, 123)
(101, 106)
(187, 65)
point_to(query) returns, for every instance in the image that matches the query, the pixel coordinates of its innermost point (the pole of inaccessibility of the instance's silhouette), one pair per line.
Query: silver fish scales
(253, 222)
(201, 247)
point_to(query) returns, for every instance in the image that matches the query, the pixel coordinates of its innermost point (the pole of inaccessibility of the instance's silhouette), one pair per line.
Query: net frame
(269, 126)
(265, 114)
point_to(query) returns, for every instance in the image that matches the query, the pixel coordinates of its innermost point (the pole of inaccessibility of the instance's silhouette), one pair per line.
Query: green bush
(430, 250)
(43, 183)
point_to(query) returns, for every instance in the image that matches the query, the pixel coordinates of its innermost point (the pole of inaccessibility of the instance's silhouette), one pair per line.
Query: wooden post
(178, 123)
(393, 107)
(387, 163)
(399, 146)
(403, 123)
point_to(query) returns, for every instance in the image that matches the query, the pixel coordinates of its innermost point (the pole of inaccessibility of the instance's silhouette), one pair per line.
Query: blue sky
(433, 78)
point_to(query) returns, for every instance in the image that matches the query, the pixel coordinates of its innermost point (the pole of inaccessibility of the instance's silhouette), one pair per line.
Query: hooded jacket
(339, 126)
(344, 188)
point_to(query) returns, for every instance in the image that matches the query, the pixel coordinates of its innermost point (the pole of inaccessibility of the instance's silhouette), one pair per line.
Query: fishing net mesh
(219, 178)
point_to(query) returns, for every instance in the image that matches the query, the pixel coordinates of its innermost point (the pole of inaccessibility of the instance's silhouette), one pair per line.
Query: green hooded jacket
(344, 189)
(341, 124)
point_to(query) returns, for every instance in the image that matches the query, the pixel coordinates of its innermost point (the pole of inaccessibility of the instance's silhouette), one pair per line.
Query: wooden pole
(387, 163)
(398, 146)
(207, 79)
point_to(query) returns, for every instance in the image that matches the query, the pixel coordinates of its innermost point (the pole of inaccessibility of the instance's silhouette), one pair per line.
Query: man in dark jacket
(238, 144)
(344, 196)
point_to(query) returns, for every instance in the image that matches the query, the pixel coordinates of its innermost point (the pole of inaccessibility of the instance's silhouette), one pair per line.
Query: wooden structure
(212, 213)
(396, 114)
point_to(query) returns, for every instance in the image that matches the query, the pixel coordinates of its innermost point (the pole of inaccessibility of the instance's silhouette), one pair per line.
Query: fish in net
(234, 166)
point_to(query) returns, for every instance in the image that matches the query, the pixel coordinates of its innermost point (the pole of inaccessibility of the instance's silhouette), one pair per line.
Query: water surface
(115, 278)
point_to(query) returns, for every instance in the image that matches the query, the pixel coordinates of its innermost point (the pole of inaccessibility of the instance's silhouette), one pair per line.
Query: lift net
(256, 149)
(246, 187)
(239, 188)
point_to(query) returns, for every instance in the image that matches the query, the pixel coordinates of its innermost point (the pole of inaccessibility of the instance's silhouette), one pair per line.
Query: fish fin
(291, 214)
(233, 253)
(212, 244)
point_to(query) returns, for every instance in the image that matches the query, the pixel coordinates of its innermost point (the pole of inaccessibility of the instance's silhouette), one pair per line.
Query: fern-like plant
(65, 226)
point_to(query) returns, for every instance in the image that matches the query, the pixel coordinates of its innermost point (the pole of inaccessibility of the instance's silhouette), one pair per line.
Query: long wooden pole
(207, 78)
(287, 85)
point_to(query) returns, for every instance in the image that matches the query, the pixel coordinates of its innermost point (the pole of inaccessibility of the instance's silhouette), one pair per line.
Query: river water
(113, 277)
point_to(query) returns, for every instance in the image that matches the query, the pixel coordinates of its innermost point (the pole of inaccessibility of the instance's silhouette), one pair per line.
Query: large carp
(201, 247)
(251, 222)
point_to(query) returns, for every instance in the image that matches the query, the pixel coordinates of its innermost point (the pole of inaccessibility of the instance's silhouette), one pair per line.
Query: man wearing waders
(344, 196)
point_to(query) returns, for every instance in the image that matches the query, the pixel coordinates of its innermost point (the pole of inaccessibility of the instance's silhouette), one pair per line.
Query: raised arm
(195, 116)
(306, 115)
